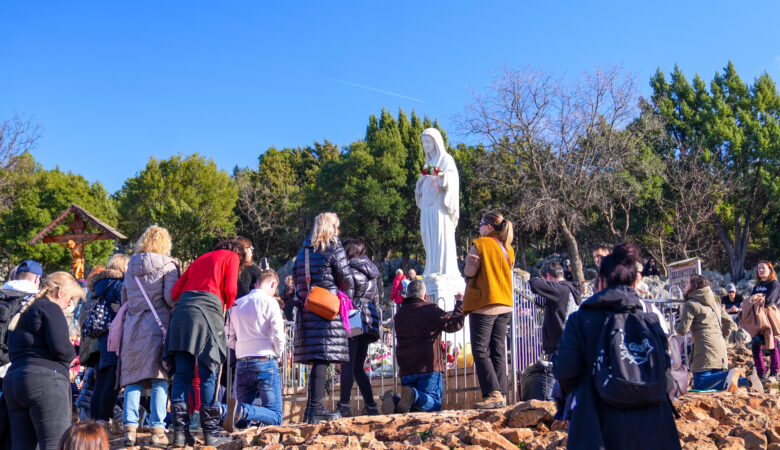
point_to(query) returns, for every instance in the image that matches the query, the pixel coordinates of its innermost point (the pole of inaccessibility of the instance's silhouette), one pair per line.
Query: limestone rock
(530, 414)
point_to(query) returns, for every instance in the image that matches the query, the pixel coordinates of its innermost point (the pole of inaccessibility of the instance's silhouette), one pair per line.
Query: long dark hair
(246, 243)
(619, 267)
(234, 245)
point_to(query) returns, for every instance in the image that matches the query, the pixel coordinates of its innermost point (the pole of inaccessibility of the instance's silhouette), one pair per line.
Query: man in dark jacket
(561, 299)
(418, 328)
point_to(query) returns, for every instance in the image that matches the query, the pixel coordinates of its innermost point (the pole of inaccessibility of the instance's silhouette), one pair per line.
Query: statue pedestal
(441, 290)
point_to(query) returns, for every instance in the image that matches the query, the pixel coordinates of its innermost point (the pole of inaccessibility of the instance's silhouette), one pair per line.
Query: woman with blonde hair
(148, 283)
(320, 341)
(488, 300)
(106, 286)
(37, 386)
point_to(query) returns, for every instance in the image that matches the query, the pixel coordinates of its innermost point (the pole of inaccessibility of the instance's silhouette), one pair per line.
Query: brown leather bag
(320, 301)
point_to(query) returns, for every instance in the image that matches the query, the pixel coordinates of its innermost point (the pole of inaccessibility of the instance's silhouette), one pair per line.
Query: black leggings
(101, 407)
(317, 380)
(358, 349)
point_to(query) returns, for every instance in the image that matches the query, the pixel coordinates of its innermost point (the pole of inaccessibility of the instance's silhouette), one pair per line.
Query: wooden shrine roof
(107, 232)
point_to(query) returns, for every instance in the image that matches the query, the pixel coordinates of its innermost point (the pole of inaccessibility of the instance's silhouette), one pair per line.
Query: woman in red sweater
(196, 333)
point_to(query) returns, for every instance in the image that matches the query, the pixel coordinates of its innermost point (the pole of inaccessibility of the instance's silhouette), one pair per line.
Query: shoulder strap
(149, 302)
(308, 271)
(506, 255)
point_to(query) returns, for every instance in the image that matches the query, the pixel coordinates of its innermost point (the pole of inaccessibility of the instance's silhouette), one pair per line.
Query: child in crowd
(255, 330)
(418, 328)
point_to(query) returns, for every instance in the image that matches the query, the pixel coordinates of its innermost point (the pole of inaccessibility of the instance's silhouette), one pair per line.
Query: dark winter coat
(108, 285)
(247, 278)
(366, 297)
(318, 339)
(556, 295)
(418, 328)
(595, 424)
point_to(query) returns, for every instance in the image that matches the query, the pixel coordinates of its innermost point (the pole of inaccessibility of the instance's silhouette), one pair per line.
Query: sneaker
(345, 410)
(407, 398)
(755, 383)
(494, 400)
(732, 380)
(370, 410)
(388, 404)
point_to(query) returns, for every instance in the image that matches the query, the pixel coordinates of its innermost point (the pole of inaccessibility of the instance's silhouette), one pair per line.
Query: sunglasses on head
(484, 223)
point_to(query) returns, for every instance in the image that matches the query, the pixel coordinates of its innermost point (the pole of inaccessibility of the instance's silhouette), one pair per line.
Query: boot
(209, 421)
(344, 409)
(130, 431)
(318, 414)
(180, 415)
(159, 437)
(494, 400)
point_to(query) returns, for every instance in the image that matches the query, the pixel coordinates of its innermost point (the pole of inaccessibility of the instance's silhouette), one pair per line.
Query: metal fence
(460, 383)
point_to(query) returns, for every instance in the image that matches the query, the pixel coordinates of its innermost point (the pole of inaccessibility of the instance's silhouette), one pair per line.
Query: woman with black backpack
(610, 328)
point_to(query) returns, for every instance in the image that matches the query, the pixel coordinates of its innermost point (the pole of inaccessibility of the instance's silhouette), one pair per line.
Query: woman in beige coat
(153, 271)
(708, 324)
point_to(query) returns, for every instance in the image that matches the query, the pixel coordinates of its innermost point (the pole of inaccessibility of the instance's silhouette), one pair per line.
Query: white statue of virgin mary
(438, 197)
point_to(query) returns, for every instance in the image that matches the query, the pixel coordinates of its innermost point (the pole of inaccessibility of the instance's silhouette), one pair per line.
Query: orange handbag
(320, 301)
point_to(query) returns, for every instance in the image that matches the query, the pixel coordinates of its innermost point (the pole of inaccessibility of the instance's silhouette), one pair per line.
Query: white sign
(680, 272)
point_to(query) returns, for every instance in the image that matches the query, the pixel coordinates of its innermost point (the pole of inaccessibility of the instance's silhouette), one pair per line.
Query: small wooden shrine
(83, 229)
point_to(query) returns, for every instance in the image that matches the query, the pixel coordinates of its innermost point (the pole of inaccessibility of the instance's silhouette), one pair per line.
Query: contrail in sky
(349, 83)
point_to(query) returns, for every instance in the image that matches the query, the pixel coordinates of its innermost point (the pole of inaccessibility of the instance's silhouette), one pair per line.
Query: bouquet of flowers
(431, 170)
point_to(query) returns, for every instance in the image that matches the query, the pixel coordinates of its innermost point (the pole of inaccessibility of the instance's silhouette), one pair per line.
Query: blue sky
(115, 82)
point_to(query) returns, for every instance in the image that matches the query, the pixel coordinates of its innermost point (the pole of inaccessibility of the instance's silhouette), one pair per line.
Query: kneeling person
(418, 328)
(255, 330)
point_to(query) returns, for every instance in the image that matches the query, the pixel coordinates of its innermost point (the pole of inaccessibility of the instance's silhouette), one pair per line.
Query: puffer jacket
(366, 299)
(318, 339)
(709, 324)
(108, 285)
(140, 355)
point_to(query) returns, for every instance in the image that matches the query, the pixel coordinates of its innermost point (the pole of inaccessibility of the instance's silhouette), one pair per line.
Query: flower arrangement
(431, 170)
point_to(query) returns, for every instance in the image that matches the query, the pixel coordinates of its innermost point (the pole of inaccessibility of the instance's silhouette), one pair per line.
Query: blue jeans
(158, 403)
(427, 390)
(182, 380)
(714, 380)
(259, 390)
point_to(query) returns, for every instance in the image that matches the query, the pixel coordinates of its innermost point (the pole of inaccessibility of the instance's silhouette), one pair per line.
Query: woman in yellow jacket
(488, 301)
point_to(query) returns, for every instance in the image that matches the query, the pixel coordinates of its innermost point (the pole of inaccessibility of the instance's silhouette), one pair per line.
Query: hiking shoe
(130, 435)
(494, 400)
(370, 410)
(388, 404)
(732, 380)
(755, 383)
(407, 398)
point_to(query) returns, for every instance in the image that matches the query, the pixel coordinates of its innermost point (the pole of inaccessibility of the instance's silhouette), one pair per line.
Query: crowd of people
(210, 339)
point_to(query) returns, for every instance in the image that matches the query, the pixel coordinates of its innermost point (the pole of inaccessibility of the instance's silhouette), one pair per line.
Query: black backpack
(630, 370)
(10, 303)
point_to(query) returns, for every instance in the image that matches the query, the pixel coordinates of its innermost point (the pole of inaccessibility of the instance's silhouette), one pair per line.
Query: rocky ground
(708, 421)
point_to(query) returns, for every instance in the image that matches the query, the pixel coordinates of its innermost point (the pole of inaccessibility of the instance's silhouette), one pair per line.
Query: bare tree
(17, 136)
(564, 145)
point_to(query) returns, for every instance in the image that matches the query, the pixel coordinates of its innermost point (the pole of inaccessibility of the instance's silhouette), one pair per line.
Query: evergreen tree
(189, 196)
